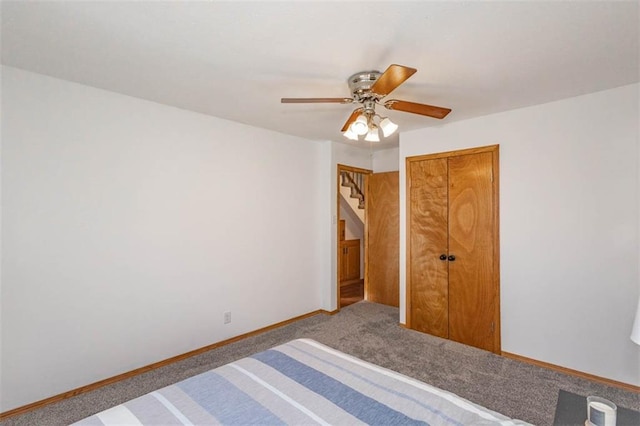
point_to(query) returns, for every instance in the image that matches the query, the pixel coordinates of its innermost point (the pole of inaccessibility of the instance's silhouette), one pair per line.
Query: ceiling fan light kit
(360, 126)
(350, 135)
(372, 135)
(388, 127)
(368, 88)
(365, 125)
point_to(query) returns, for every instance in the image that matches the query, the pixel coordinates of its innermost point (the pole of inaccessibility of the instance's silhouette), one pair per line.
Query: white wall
(353, 156)
(351, 204)
(354, 228)
(130, 227)
(1, 222)
(386, 160)
(568, 223)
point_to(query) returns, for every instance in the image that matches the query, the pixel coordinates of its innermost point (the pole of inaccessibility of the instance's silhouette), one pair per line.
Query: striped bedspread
(301, 382)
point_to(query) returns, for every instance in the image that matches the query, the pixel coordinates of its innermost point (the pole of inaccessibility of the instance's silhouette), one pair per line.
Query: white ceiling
(235, 60)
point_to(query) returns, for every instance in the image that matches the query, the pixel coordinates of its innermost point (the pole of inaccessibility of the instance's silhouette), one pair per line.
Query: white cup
(601, 412)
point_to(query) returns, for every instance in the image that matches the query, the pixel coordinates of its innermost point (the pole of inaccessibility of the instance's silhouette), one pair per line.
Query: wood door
(382, 274)
(427, 224)
(453, 211)
(472, 293)
(342, 265)
(350, 260)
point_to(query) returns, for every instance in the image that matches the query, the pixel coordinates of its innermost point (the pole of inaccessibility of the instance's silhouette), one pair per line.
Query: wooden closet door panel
(383, 233)
(353, 260)
(472, 290)
(349, 258)
(427, 241)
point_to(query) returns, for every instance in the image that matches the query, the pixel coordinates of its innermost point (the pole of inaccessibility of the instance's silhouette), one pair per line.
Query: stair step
(347, 180)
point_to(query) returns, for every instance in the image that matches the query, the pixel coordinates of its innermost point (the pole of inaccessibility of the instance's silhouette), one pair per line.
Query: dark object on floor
(571, 410)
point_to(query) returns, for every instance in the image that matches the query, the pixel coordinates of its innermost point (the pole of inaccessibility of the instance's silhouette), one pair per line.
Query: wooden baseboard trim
(583, 375)
(93, 386)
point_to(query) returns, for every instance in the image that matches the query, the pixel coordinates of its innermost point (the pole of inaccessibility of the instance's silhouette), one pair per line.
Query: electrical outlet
(227, 317)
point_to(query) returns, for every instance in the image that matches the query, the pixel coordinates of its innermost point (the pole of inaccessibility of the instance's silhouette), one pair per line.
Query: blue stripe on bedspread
(379, 386)
(361, 406)
(225, 401)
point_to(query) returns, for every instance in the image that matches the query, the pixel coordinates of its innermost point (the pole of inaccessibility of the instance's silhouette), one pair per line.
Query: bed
(300, 382)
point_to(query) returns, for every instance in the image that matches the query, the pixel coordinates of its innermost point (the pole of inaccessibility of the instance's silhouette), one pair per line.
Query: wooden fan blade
(351, 119)
(316, 100)
(393, 77)
(422, 109)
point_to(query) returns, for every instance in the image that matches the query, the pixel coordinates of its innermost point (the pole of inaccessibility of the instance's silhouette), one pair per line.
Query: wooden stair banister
(355, 181)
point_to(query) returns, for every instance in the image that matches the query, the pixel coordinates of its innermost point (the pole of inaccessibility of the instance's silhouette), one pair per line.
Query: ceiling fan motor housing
(360, 84)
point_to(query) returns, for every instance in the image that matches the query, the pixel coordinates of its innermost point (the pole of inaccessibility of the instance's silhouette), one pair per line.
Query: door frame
(344, 168)
(494, 150)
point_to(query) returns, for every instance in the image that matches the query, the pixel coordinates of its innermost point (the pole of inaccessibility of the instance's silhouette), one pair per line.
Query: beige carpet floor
(371, 332)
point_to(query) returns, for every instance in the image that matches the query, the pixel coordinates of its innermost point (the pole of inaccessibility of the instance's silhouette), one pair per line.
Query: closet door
(427, 224)
(453, 246)
(472, 291)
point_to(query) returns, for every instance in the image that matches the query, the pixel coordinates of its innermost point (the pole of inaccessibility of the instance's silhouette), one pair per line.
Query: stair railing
(355, 181)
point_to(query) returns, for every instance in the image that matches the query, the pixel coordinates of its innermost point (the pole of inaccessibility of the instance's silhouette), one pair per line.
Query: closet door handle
(443, 257)
(452, 258)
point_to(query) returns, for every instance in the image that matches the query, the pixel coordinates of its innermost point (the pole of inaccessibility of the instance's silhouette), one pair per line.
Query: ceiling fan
(367, 89)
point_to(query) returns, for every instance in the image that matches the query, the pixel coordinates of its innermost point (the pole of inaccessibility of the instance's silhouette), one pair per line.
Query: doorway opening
(351, 217)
